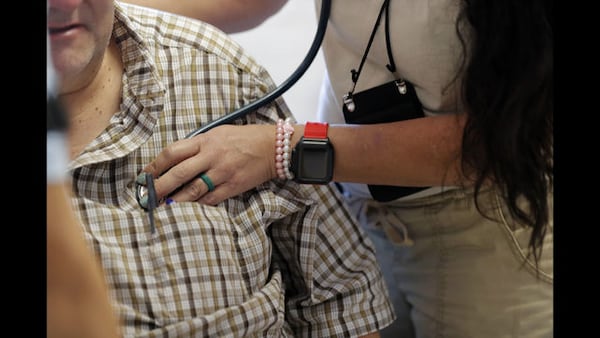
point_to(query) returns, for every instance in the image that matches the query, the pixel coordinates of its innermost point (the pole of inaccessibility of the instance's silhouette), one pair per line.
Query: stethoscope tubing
(284, 86)
(148, 189)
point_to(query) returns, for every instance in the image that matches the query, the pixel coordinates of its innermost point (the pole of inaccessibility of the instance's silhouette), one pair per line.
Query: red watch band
(316, 130)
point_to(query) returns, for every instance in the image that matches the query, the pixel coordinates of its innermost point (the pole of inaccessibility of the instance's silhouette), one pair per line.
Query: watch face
(312, 162)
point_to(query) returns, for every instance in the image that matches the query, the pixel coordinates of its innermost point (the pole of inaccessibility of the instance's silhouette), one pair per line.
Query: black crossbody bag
(389, 102)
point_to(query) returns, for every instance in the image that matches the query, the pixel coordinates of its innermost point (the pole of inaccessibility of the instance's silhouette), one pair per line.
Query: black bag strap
(392, 65)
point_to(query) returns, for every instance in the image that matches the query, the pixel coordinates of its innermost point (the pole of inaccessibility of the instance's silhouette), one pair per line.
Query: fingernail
(169, 201)
(141, 179)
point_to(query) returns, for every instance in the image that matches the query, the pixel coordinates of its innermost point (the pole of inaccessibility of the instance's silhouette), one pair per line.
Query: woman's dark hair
(507, 87)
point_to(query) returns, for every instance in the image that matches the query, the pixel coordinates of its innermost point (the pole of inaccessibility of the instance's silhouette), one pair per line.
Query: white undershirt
(425, 48)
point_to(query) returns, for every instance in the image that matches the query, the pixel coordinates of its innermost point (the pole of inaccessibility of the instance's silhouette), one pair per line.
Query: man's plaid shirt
(280, 260)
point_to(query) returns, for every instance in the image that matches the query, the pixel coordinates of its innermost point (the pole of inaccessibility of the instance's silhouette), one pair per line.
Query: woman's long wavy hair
(507, 88)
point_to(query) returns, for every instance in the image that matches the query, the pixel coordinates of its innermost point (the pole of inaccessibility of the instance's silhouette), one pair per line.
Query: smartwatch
(312, 157)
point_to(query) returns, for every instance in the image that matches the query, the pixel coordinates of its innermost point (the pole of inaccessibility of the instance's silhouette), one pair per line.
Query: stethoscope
(147, 190)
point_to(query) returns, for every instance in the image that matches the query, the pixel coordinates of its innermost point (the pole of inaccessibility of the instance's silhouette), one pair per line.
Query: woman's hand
(235, 159)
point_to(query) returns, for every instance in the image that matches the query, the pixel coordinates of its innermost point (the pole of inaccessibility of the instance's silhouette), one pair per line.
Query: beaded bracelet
(282, 148)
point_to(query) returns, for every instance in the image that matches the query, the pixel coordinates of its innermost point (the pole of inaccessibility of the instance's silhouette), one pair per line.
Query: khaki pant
(453, 273)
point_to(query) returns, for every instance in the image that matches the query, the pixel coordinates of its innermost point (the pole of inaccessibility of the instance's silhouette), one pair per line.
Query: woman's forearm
(418, 152)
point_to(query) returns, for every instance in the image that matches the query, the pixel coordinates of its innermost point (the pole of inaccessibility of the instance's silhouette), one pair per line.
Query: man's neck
(91, 108)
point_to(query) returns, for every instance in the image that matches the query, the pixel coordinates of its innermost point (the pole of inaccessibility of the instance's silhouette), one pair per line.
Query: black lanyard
(391, 66)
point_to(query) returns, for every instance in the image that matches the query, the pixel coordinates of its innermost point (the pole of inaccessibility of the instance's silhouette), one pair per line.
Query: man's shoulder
(171, 31)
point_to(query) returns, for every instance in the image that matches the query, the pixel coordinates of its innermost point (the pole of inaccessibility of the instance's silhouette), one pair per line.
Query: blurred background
(280, 44)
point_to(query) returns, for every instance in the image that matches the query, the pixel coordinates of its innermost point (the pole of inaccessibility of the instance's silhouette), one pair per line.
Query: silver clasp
(401, 86)
(349, 102)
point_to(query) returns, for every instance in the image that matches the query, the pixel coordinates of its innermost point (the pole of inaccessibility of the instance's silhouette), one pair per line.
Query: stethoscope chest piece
(144, 192)
(141, 195)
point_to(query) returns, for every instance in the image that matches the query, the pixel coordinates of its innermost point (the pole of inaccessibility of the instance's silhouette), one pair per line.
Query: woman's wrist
(283, 135)
(294, 132)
